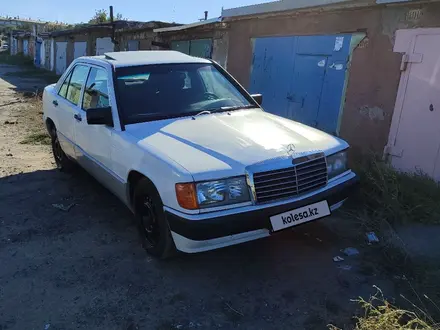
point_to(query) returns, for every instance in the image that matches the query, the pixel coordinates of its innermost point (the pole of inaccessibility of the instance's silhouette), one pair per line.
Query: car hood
(223, 144)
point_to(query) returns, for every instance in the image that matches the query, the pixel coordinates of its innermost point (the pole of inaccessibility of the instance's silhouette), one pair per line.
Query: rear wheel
(63, 162)
(153, 227)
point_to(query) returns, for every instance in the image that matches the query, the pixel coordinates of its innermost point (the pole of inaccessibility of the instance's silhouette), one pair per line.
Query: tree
(102, 16)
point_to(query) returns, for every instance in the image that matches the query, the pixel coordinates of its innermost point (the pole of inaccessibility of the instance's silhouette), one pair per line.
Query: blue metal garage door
(302, 78)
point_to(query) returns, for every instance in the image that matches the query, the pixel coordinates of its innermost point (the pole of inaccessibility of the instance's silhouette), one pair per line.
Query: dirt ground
(85, 269)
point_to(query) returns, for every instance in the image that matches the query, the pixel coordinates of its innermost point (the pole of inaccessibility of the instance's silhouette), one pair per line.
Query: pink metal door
(414, 141)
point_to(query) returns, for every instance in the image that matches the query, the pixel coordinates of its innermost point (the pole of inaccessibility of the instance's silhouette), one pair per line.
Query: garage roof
(188, 26)
(284, 5)
(275, 6)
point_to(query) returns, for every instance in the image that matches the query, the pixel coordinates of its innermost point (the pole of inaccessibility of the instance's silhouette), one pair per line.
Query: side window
(77, 81)
(96, 92)
(63, 89)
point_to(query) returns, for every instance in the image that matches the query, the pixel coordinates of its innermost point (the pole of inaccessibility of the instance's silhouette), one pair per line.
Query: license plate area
(300, 215)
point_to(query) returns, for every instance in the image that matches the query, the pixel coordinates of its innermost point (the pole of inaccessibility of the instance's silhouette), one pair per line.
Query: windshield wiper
(238, 107)
(231, 108)
(204, 112)
(221, 109)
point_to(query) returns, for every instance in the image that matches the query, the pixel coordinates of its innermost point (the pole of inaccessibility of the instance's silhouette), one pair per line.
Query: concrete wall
(375, 68)
(145, 38)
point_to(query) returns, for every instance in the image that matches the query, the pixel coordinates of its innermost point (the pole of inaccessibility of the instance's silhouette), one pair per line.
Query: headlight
(199, 195)
(222, 192)
(336, 164)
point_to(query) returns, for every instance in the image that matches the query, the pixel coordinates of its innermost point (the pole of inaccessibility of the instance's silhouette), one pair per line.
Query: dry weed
(379, 314)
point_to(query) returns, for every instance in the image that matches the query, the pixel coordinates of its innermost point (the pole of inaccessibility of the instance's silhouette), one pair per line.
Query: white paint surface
(14, 46)
(52, 54)
(61, 61)
(321, 64)
(337, 67)
(104, 45)
(79, 49)
(244, 146)
(25, 47)
(339, 43)
(43, 53)
(414, 139)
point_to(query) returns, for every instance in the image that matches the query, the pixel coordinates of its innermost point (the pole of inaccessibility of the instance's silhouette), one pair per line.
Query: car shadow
(78, 246)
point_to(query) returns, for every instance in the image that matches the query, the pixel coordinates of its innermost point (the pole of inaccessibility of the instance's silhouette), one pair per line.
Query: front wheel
(63, 162)
(153, 227)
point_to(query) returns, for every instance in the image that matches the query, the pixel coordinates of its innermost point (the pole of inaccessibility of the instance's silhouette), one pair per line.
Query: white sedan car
(190, 152)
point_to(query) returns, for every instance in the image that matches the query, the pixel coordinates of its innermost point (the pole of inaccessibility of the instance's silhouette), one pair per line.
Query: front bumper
(210, 231)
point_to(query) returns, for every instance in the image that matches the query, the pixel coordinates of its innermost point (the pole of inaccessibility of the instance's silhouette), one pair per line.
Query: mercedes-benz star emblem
(290, 149)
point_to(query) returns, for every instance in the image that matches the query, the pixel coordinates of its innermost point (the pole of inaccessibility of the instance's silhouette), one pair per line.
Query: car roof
(146, 57)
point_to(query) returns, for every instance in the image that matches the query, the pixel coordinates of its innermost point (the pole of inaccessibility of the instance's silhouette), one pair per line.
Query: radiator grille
(293, 181)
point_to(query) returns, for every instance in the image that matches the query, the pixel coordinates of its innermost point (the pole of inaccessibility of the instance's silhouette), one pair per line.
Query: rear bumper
(215, 230)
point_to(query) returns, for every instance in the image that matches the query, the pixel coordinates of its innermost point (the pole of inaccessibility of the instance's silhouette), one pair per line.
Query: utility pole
(113, 25)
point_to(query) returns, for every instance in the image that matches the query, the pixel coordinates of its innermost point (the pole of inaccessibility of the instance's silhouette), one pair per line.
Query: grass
(388, 199)
(37, 138)
(38, 134)
(395, 196)
(379, 314)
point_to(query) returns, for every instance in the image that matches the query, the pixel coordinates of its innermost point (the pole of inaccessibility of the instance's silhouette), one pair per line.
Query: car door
(66, 106)
(94, 141)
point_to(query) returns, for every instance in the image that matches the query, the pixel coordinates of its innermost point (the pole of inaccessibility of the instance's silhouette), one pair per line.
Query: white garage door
(43, 54)
(79, 49)
(104, 45)
(25, 47)
(60, 61)
(414, 140)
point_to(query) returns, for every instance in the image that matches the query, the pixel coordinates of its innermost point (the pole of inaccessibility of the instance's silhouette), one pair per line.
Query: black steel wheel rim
(150, 224)
(57, 151)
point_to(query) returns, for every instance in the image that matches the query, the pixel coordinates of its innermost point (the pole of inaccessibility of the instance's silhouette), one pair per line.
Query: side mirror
(100, 116)
(258, 98)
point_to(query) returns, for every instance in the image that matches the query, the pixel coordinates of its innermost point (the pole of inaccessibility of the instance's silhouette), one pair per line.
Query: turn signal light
(186, 195)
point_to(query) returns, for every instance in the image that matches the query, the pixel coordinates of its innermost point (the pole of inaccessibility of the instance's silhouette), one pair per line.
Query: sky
(179, 11)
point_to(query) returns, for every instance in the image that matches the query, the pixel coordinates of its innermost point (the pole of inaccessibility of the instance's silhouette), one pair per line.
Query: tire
(63, 162)
(153, 227)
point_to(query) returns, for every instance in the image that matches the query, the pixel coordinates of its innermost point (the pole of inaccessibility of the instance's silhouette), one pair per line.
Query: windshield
(153, 92)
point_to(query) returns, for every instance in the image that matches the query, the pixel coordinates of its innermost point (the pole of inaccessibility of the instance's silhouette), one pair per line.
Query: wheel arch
(50, 126)
(134, 177)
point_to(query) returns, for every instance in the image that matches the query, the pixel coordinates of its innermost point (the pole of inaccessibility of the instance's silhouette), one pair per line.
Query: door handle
(55, 103)
(77, 116)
